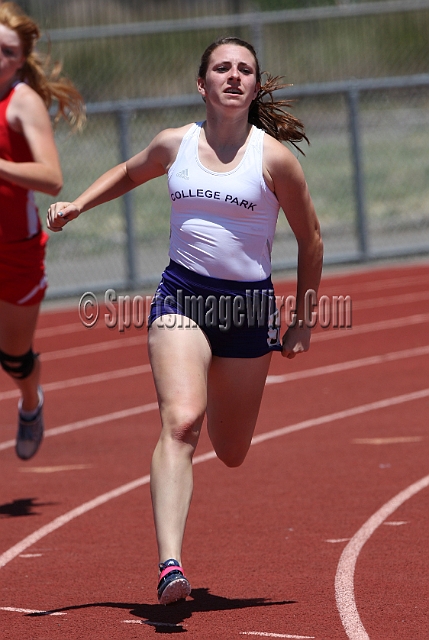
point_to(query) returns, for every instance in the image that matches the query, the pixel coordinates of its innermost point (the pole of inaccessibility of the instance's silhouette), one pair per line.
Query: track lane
(258, 548)
(288, 466)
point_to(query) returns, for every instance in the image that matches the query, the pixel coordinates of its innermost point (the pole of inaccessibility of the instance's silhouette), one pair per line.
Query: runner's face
(231, 77)
(11, 55)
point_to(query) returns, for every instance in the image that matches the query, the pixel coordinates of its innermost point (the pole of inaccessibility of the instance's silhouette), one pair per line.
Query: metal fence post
(257, 35)
(127, 199)
(358, 175)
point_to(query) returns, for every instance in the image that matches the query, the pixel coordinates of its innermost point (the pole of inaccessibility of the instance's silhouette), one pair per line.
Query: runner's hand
(296, 340)
(60, 213)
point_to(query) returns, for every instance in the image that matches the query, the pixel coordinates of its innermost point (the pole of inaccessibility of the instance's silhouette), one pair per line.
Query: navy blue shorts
(240, 319)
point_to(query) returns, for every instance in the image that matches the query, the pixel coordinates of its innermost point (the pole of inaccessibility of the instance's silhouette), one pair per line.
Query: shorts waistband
(208, 282)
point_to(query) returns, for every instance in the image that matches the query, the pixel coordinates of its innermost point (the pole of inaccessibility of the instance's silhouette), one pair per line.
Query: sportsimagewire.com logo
(121, 312)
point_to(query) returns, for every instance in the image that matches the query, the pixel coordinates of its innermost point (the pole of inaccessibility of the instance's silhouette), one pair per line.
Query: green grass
(311, 51)
(396, 171)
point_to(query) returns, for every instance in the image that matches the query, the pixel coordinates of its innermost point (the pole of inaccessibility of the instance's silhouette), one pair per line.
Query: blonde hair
(36, 72)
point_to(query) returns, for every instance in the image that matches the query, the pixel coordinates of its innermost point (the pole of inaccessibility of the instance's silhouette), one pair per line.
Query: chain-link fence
(359, 75)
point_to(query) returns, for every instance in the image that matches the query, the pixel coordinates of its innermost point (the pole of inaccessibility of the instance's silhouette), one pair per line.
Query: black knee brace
(19, 367)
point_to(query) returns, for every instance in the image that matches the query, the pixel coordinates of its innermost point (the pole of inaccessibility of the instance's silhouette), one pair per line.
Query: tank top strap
(253, 162)
(194, 137)
(189, 145)
(257, 138)
(193, 132)
(254, 149)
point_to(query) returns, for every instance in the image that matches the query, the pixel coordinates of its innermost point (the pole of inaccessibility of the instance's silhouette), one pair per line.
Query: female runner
(28, 162)
(227, 178)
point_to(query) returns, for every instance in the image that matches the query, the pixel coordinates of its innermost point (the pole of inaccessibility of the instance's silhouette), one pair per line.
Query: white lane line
(317, 371)
(121, 373)
(154, 624)
(398, 523)
(96, 347)
(342, 415)
(327, 334)
(90, 422)
(63, 329)
(271, 379)
(43, 613)
(381, 441)
(376, 285)
(329, 281)
(381, 325)
(37, 535)
(83, 380)
(117, 415)
(49, 332)
(350, 364)
(264, 634)
(337, 540)
(383, 285)
(64, 467)
(401, 299)
(344, 579)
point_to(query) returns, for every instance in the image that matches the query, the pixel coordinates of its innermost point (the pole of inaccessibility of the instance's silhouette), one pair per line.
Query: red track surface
(322, 533)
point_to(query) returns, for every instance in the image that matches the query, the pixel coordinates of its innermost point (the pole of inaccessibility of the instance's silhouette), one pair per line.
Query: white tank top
(222, 224)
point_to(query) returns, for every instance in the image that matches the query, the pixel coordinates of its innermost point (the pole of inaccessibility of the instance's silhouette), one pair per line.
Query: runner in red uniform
(28, 162)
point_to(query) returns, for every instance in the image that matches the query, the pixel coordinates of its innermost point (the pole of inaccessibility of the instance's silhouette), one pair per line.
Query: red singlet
(22, 241)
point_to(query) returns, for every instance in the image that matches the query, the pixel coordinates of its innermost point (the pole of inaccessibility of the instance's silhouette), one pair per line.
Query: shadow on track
(22, 507)
(169, 619)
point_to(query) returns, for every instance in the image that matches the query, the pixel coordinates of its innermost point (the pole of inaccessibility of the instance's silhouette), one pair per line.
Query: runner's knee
(184, 426)
(19, 367)
(231, 458)
(232, 452)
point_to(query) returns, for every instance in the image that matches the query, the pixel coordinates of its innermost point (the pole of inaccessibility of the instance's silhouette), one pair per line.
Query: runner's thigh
(180, 356)
(235, 389)
(17, 326)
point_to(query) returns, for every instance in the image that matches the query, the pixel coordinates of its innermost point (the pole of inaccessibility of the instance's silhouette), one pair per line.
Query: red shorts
(22, 270)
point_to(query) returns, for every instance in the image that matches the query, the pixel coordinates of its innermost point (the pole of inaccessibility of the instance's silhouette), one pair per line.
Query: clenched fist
(60, 213)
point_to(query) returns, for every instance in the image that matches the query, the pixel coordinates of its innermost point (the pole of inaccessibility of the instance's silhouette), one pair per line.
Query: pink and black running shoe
(173, 584)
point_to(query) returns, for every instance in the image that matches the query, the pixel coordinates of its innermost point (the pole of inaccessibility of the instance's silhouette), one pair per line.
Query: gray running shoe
(30, 432)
